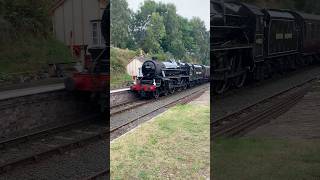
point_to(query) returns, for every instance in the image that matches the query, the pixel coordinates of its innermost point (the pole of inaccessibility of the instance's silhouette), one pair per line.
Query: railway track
(250, 117)
(43, 144)
(182, 100)
(129, 106)
(104, 173)
(126, 107)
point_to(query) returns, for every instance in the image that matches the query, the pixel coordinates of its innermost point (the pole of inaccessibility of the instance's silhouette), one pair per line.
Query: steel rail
(182, 100)
(239, 122)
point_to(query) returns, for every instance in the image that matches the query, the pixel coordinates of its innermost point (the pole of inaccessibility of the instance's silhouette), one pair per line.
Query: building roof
(139, 58)
(58, 3)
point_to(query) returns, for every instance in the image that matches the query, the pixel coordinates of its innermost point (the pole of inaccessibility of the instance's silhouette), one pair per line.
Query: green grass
(120, 80)
(31, 54)
(264, 159)
(175, 145)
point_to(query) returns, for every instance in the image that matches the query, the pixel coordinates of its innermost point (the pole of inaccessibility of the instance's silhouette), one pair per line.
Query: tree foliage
(157, 28)
(120, 19)
(30, 16)
(155, 32)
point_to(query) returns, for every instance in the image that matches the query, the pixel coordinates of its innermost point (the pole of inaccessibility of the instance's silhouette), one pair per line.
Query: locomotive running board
(232, 48)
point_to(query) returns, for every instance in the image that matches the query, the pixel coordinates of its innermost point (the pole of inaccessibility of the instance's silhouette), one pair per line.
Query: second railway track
(250, 117)
(40, 145)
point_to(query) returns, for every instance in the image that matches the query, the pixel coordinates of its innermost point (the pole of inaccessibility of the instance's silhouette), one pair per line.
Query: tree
(157, 28)
(27, 15)
(120, 19)
(155, 32)
(201, 40)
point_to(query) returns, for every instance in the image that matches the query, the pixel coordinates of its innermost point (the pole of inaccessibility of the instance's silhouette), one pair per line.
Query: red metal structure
(95, 76)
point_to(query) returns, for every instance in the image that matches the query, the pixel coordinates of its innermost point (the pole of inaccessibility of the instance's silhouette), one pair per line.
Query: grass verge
(175, 145)
(254, 158)
(119, 58)
(120, 80)
(31, 54)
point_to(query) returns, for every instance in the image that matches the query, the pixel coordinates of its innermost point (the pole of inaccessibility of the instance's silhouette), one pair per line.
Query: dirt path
(204, 99)
(301, 122)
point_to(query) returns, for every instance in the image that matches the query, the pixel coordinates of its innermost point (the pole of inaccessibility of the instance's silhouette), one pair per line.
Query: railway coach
(248, 42)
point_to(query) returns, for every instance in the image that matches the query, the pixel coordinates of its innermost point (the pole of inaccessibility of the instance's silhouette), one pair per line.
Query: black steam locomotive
(163, 78)
(248, 42)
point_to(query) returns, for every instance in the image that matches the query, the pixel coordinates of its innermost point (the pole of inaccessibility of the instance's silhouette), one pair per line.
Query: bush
(27, 15)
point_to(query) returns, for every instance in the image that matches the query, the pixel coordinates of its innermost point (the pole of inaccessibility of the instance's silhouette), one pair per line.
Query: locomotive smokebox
(152, 68)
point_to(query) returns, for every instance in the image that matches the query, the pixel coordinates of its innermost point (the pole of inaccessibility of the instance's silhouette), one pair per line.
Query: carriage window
(258, 24)
(309, 31)
(313, 30)
(97, 39)
(95, 33)
(318, 31)
(102, 41)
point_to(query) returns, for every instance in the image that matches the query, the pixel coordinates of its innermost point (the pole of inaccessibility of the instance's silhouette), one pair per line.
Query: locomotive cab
(217, 13)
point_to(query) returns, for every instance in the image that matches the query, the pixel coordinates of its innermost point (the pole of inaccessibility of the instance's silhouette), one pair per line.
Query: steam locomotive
(251, 43)
(94, 79)
(163, 78)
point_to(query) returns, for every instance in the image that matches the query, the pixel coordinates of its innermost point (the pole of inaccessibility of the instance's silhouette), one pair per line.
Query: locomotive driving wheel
(220, 87)
(236, 68)
(165, 92)
(185, 86)
(156, 94)
(239, 80)
(171, 90)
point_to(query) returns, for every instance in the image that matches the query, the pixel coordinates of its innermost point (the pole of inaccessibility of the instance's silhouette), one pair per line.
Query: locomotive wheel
(156, 94)
(185, 86)
(220, 87)
(171, 91)
(136, 94)
(165, 93)
(240, 80)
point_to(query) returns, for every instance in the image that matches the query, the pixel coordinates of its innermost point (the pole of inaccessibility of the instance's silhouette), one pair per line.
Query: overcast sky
(185, 8)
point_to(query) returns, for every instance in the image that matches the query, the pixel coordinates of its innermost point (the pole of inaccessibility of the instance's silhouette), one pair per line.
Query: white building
(76, 23)
(134, 66)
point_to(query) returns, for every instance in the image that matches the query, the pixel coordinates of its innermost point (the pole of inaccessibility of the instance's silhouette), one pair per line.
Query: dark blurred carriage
(251, 42)
(95, 77)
